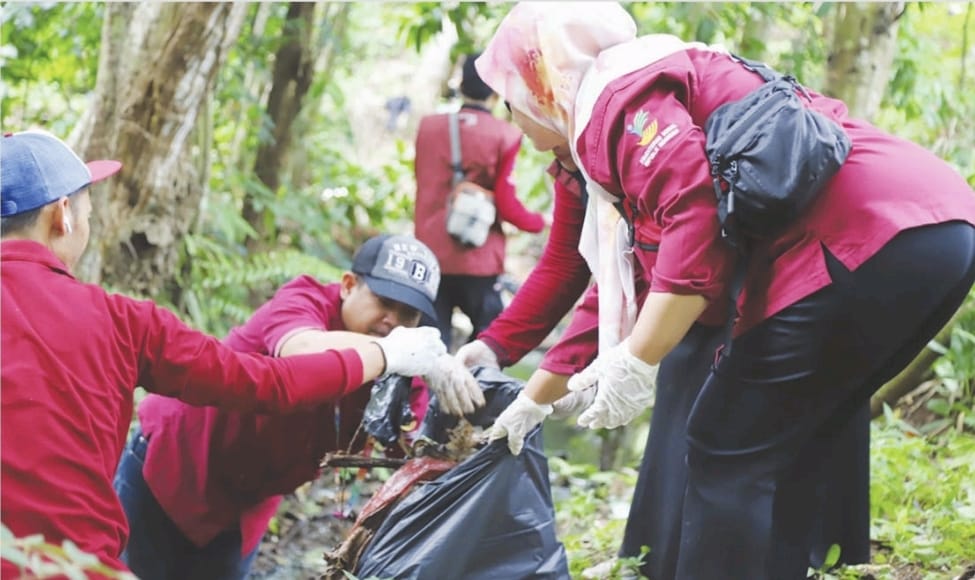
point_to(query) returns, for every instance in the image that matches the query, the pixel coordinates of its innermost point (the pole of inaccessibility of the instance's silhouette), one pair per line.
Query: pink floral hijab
(551, 61)
(542, 50)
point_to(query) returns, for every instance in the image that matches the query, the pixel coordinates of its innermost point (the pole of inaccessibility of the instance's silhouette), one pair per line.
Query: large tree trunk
(864, 39)
(157, 64)
(294, 65)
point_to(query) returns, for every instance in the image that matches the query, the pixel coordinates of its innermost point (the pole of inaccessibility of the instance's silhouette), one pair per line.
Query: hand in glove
(410, 352)
(573, 402)
(521, 416)
(626, 387)
(456, 388)
(477, 353)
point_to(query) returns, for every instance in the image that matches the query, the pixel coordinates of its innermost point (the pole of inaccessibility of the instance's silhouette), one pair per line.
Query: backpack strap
(628, 213)
(734, 293)
(455, 158)
(769, 74)
(760, 68)
(583, 192)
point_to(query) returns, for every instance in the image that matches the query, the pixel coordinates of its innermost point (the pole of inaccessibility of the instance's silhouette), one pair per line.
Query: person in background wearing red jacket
(200, 484)
(831, 308)
(73, 354)
(489, 147)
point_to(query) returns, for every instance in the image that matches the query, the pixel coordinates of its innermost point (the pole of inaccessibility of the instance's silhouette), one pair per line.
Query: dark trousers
(658, 498)
(478, 297)
(762, 432)
(157, 549)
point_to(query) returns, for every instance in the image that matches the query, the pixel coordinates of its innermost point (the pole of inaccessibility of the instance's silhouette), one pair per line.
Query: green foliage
(327, 203)
(922, 507)
(832, 557)
(47, 67)
(931, 103)
(923, 497)
(786, 34)
(591, 519)
(954, 400)
(36, 558)
(55, 53)
(313, 231)
(534, 185)
(220, 285)
(474, 22)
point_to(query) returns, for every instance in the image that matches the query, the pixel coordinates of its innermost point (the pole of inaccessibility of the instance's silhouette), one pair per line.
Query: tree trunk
(93, 136)
(144, 113)
(754, 34)
(294, 65)
(864, 39)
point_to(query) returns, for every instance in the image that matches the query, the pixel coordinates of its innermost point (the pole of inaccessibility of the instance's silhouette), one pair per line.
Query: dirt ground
(309, 523)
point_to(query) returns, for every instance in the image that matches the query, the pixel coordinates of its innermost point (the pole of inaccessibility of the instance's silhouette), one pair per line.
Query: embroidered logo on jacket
(658, 143)
(638, 127)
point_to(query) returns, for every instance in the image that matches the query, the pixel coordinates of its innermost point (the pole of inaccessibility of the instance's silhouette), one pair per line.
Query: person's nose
(392, 318)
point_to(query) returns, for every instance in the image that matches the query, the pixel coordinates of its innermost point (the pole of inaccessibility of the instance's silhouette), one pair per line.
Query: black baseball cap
(400, 268)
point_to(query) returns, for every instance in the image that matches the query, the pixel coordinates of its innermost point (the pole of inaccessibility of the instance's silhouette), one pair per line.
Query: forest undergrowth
(922, 512)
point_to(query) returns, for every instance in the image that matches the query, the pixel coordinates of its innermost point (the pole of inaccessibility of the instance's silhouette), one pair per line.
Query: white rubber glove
(477, 353)
(521, 416)
(411, 352)
(456, 388)
(626, 387)
(572, 403)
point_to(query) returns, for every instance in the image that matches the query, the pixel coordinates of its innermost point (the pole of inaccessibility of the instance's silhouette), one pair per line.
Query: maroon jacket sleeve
(180, 362)
(552, 288)
(510, 208)
(579, 344)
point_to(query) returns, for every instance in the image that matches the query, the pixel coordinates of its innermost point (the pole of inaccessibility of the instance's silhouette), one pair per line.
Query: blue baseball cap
(37, 168)
(400, 268)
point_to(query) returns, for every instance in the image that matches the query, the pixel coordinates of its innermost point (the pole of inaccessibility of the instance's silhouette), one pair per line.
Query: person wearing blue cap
(200, 485)
(73, 354)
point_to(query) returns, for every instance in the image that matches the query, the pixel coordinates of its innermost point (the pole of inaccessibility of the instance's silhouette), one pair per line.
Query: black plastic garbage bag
(489, 517)
(499, 391)
(388, 413)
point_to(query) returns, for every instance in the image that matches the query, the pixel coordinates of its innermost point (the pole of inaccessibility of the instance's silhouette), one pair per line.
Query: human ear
(346, 284)
(62, 214)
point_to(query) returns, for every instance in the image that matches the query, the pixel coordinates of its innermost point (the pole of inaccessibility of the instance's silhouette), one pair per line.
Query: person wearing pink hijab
(831, 308)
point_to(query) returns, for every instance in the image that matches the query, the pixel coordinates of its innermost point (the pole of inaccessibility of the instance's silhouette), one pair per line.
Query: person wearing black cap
(200, 485)
(488, 148)
(73, 355)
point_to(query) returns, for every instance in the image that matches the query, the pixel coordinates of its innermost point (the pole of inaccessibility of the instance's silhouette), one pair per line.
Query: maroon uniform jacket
(489, 147)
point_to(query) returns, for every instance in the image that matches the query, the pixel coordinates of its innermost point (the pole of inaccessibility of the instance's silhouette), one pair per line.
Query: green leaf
(939, 406)
(938, 347)
(832, 556)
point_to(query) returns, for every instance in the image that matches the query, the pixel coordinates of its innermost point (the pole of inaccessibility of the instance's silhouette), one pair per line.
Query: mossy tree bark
(156, 67)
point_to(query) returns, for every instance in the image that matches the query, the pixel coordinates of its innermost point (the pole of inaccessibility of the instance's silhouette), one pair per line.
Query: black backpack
(770, 156)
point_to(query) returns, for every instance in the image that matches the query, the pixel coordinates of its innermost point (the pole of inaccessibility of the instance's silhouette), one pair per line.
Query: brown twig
(344, 460)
